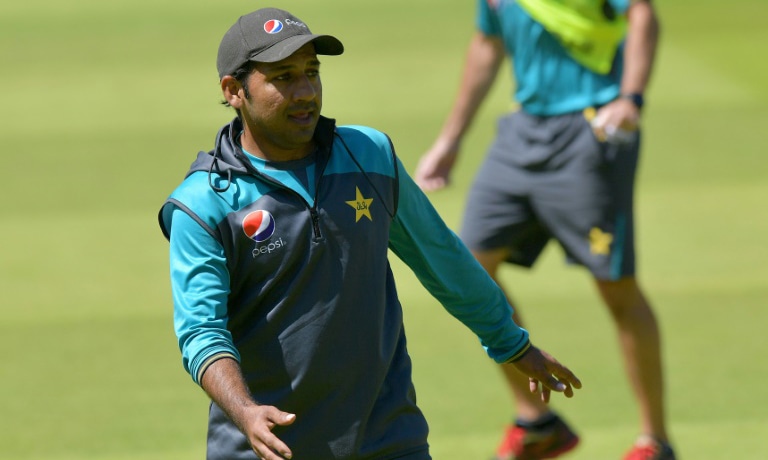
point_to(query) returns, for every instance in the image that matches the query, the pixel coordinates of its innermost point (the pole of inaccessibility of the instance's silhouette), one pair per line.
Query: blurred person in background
(562, 167)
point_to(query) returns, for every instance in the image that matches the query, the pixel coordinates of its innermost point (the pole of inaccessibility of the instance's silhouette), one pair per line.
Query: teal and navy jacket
(295, 284)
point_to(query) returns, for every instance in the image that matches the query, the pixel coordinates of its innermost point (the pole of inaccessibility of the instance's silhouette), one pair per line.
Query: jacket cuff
(520, 354)
(210, 360)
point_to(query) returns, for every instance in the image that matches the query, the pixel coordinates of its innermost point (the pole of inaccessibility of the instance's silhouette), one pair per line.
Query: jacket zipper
(313, 215)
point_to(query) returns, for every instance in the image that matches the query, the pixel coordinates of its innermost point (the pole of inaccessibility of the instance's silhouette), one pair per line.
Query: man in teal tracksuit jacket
(279, 271)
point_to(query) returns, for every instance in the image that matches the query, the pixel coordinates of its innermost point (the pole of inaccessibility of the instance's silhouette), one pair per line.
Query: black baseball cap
(269, 35)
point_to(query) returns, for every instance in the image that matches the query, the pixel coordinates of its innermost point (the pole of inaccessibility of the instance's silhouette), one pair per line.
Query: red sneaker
(526, 444)
(647, 448)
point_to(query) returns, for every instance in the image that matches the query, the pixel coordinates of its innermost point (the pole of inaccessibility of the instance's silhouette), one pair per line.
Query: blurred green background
(105, 104)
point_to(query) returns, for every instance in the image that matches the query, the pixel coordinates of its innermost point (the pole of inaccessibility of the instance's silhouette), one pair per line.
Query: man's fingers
(273, 416)
(546, 374)
(568, 392)
(286, 419)
(533, 385)
(552, 383)
(566, 376)
(545, 394)
(572, 379)
(277, 445)
(564, 382)
(271, 447)
(263, 441)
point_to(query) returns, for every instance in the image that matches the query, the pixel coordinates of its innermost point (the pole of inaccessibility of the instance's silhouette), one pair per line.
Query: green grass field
(106, 103)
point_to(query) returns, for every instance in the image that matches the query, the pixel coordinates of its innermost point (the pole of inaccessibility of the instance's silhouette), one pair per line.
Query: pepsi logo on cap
(259, 225)
(273, 26)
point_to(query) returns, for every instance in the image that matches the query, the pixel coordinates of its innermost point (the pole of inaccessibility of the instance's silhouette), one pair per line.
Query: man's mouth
(302, 116)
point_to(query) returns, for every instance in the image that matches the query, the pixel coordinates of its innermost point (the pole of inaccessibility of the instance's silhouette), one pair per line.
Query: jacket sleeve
(446, 268)
(200, 287)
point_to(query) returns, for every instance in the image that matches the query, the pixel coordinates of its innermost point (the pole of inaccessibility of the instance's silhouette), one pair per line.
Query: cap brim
(324, 44)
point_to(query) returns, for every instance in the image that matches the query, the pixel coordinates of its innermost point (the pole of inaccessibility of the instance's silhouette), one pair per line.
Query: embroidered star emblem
(362, 206)
(600, 242)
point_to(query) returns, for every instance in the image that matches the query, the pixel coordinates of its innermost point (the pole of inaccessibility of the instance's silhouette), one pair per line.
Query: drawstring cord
(210, 175)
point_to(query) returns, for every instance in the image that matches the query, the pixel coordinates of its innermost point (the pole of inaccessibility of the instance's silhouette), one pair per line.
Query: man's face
(283, 107)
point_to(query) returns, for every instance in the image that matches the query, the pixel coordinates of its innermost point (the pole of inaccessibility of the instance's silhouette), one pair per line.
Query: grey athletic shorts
(549, 177)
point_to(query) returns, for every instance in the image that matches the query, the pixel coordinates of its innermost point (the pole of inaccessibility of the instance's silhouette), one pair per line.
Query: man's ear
(233, 91)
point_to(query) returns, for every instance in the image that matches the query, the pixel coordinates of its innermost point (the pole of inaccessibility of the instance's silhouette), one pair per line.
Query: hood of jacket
(227, 158)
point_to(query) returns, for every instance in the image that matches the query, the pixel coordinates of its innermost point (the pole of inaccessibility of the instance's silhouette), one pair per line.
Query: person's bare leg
(639, 337)
(528, 405)
(536, 432)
